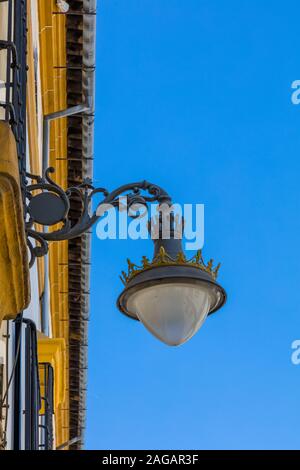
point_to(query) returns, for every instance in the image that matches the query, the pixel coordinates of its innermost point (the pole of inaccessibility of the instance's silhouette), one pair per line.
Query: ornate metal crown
(164, 259)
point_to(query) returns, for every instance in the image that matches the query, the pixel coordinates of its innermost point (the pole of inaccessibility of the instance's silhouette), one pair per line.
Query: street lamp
(171, 295)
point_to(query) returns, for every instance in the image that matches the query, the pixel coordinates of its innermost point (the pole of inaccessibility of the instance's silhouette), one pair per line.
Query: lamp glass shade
(173, 312)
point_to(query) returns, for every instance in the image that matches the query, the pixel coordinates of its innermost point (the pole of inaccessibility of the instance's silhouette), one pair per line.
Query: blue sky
(195, 96)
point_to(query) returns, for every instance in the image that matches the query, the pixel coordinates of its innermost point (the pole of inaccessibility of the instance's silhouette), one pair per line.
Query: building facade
(47, 67)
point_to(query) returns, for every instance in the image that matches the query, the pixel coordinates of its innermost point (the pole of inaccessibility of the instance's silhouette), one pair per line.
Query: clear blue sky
(195, 96)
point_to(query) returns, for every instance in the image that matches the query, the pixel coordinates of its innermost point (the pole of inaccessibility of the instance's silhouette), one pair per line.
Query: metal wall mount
(48, 205)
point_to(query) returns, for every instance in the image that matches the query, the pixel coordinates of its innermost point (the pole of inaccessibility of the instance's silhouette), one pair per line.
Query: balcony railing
(33, 406)
(47, 410)
(13, 68)
(27, 401)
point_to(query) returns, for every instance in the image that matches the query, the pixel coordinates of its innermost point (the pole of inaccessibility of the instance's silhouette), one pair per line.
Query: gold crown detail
(163, 259)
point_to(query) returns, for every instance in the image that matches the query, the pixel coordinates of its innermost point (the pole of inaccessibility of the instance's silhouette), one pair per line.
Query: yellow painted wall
(53, 83)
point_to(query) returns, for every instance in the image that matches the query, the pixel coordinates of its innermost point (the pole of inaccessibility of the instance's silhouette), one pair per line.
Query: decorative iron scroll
(48, 205)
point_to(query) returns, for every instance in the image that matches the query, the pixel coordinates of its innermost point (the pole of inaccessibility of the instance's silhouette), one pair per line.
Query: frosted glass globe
(173, 312)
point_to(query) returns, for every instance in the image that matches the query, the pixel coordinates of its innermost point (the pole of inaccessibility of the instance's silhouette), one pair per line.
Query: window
(27, 401)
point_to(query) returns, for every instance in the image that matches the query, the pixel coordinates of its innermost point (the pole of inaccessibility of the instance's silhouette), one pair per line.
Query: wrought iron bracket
(48, 205)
